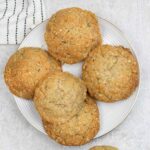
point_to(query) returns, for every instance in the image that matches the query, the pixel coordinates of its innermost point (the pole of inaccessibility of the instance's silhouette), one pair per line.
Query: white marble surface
(133, 18)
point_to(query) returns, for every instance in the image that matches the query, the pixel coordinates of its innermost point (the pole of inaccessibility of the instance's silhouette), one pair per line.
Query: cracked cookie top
(110, 73)
(71, 34)
(80, 129)
(59, 97)
(25, 68)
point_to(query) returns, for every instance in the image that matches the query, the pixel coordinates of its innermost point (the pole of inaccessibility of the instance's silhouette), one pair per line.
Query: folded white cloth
(18, 17)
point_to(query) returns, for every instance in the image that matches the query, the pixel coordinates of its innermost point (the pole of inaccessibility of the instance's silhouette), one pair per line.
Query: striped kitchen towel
(18, 17)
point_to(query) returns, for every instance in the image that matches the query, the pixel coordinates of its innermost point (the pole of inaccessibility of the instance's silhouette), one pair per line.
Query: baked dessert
(59, 97)
(110, 73)
(71, 34)
(25, 68)
(103, 148)
(80, 129)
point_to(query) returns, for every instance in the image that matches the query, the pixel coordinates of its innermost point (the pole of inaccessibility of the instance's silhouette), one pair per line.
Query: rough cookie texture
(59, 97)
(110, 73)
(80, 129)
(25, 68)
(103, 148)
(71, 34)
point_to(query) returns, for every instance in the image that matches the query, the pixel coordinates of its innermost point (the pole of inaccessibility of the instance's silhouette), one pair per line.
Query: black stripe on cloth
(16, 35)
(6, 8)
(25, 22)
(41, 10)
(8, 21)
(34, 12)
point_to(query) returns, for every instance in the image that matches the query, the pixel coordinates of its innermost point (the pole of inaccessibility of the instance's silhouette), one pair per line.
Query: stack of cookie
(66, 103)
(69, 115)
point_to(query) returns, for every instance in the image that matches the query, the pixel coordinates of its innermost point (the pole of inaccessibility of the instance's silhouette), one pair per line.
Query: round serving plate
(111, 114)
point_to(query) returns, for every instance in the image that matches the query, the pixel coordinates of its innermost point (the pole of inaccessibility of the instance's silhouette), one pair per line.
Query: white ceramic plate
(111, 115)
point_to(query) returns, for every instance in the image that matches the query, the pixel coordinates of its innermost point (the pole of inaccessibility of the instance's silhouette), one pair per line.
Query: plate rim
(137, 88)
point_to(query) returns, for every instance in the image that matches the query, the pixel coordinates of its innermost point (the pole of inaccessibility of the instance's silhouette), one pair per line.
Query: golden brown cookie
(59, 97)
(71, 34)
(103, 148)
(110, 73)
(80, 129)
(25, 68)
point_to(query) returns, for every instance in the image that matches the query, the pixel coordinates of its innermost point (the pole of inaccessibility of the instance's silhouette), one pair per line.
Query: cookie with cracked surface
(80, 129)
(110, 73)
(25, 68)
(103, 148)
(71, 34)
(59, 97)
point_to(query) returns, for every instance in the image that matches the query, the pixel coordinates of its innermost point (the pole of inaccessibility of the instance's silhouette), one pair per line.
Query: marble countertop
(133, 18)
